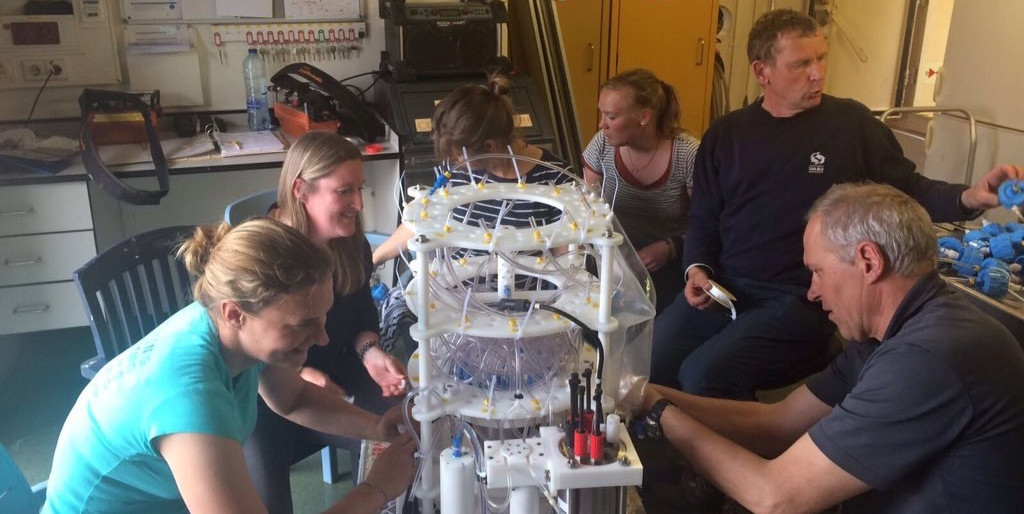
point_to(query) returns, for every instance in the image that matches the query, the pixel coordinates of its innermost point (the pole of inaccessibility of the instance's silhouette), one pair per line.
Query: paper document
(184, 148)
(246, 143)
(245, 8)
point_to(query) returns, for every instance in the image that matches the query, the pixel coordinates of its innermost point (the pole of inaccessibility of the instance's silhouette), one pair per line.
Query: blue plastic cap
(1011, 193)
(994, 282)
(379, 292)
(992, 229)
(1002, 247)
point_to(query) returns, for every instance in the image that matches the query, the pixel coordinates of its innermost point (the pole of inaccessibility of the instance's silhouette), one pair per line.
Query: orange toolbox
(295, 122)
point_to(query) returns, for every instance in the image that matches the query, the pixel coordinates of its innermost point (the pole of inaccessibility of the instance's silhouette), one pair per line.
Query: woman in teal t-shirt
(160, 428)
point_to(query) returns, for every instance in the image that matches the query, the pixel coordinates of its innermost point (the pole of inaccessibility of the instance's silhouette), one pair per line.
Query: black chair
(131, 288)
(16, 495)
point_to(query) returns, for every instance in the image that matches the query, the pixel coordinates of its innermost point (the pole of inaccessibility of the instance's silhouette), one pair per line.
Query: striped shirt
(647, 213)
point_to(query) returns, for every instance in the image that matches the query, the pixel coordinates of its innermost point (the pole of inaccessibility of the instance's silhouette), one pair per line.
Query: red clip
(259, 37)
(248, 38)
(217, 39)
(596, 449)
(352, 34)
(330, 34)
(579, 444)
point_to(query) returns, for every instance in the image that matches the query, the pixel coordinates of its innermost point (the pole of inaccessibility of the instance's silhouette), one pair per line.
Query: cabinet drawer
(43, 258)
(40, 307)
(44, 208)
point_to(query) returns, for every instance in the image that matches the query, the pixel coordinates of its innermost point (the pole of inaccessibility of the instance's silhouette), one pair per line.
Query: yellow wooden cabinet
(673, 38)
(584, 29)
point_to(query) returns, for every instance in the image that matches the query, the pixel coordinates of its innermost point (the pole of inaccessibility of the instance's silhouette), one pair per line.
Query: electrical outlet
(7, 75)
(36, 70)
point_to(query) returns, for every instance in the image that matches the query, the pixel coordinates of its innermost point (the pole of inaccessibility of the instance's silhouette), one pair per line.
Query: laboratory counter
(52, 224)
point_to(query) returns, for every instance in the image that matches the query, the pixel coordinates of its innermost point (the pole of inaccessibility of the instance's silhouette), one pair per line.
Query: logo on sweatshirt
(817, 164)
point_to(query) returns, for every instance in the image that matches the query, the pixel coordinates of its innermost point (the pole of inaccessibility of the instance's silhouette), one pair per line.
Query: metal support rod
(971, 124)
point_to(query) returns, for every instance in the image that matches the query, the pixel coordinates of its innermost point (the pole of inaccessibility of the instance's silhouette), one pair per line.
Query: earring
(643, 123)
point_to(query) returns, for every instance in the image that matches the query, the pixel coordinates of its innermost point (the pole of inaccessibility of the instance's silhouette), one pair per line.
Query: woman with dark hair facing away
(160, 427)
(478, 119)
(642, 160)
(320, 194)
(475, 120)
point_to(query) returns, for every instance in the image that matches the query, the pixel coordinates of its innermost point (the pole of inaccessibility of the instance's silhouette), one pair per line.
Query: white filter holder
(722, 296)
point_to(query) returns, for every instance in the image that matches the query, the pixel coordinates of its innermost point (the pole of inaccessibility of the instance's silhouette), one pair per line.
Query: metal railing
(971, 123)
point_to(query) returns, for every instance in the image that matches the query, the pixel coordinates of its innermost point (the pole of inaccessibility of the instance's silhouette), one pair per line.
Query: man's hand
(982, 195)
(655, 255)
(319, 378)
(386, 371)
(697, 285)
(651, 395)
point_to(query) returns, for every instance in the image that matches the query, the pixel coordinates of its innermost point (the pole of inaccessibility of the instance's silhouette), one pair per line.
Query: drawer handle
(37, 260)
(29, 309)
(23, 212)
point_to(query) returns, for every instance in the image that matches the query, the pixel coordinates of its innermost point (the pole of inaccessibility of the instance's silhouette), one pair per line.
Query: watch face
(653, 427)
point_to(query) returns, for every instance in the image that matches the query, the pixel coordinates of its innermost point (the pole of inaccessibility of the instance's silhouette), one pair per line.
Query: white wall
(743, 87)
(933, 50)
(876, 27)
(222, 83)
(983, 73)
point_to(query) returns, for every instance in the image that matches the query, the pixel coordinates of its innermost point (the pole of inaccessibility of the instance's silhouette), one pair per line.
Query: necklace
(633, 168)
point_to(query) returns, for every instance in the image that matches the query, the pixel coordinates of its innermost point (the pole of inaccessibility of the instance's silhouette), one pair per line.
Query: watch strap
(652, 420)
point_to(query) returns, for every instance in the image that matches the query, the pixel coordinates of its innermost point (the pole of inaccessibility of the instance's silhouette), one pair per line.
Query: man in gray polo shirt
(924, 410)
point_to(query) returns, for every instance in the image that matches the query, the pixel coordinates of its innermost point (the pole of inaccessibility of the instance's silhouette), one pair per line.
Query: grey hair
(856, 212)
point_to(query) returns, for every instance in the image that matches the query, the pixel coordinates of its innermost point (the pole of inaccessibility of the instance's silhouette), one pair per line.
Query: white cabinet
(45, 234)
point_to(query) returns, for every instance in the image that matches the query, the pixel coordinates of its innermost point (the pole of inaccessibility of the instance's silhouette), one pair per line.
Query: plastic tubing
(469, 168)
(563, 171)
(463, 427)
(515, 164)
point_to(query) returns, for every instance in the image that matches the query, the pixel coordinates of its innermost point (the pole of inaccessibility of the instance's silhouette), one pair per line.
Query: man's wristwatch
(652, 421)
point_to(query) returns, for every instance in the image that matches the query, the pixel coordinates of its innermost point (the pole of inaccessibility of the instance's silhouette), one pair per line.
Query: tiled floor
(39, 382)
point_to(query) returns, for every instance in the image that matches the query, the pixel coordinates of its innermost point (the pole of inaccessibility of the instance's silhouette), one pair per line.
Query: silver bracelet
(379, 489)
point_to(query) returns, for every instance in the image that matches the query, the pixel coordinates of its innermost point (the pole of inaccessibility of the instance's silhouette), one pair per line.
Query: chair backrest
(249, 206)
(16, 496)
(131, 288)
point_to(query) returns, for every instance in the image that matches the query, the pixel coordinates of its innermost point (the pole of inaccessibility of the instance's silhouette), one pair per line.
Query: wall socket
(36, 70)
(7, 73)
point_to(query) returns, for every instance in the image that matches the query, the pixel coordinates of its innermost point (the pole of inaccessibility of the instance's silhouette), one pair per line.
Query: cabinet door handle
(9, 262)
(701, 45)
(29, 309)
(591, 53)
(22, 212)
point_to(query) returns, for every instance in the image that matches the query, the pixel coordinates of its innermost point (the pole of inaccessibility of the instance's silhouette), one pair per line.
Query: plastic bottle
(255, 76)
(378, 290)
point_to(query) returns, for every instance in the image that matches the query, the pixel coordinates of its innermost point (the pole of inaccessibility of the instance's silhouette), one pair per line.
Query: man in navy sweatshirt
(758, 170)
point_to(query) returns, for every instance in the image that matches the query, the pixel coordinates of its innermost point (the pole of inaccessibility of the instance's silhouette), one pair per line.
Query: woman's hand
(386, 371)
(655, 255)
(393, 469)
(392, 424)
